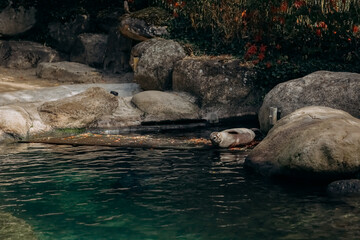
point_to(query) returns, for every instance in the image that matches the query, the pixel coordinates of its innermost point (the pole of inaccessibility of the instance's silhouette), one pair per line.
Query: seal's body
(232, 137)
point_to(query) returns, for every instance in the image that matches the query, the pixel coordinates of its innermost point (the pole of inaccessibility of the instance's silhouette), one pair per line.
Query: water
(95, 193)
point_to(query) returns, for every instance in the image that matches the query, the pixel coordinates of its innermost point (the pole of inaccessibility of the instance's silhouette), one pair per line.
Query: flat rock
(26, 54)
(222, 85)
(312, 143)
(16, 21)
(153, 62)
(339, 90)
(79, 111)
(69, 72)
(163, 106)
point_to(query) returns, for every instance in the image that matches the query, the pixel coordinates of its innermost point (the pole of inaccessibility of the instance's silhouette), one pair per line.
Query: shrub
(282, 38)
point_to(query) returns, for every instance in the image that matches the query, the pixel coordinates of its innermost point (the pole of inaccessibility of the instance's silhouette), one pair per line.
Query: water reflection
(70, 192)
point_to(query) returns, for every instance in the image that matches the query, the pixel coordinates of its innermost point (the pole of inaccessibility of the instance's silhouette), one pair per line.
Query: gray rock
(63, 91)
(79, 111)
(339, 90)
(349, 187)
(153, 62)
(69, 72)
(309, 144)
(25, 54)
(89, 49)
(222, 85)
(117, 54)
(145, 24)
(18, 121)
(162, 106)
(16, 21)
(64, 34)
(13, 228)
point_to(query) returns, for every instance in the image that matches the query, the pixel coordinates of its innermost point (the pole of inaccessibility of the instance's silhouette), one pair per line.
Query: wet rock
(232, 137)
(145, 24)
(339, 90)
(162, 106)
(125, 115)
(312, 143)
(153, 62)
(15, 228)
(79, 111)
(117, 54)
(89, 49)
(349, 187)
(222, 85)
(69, 72)
(64, 34)
(16, 21)
(25, 54)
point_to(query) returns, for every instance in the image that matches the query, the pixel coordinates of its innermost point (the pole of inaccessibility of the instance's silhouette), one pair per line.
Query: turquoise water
(77, 193)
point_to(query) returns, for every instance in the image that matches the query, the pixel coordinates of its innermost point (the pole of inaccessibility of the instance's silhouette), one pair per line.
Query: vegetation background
(282, 39)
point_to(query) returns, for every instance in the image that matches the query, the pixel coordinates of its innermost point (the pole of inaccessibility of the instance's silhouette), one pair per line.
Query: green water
(78, 193)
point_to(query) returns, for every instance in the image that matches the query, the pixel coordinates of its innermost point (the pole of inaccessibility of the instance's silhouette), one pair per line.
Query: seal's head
(215, 138)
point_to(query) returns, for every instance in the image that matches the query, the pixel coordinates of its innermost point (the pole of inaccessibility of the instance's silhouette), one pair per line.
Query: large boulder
(117, 54)
(14, 21)
(89, 49)
(222, 85)
(145, 24)
(64, 34)
(18, 121)
(79, 111)
(25, 54)
(69, 72)
(164, 106)
(312, 143)
(339, 90)
(153, 62)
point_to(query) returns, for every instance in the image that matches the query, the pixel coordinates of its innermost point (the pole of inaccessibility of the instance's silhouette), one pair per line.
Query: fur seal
(232, 137)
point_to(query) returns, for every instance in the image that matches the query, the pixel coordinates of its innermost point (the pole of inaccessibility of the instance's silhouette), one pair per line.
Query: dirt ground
(16, 79)
(26, 79)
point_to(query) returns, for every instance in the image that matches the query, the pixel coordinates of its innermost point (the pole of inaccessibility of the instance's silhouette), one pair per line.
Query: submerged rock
(312, 143)
(339, 90)
(79, 111)
(13, 228)
(164, 106)
(349, 187)
(232, 137)
(153, 62)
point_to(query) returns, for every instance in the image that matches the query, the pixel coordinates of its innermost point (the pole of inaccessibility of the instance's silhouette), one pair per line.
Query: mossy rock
(13, 228)
(153, 15)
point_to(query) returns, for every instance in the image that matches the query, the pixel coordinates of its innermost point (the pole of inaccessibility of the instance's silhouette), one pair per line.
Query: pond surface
(96, 193)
